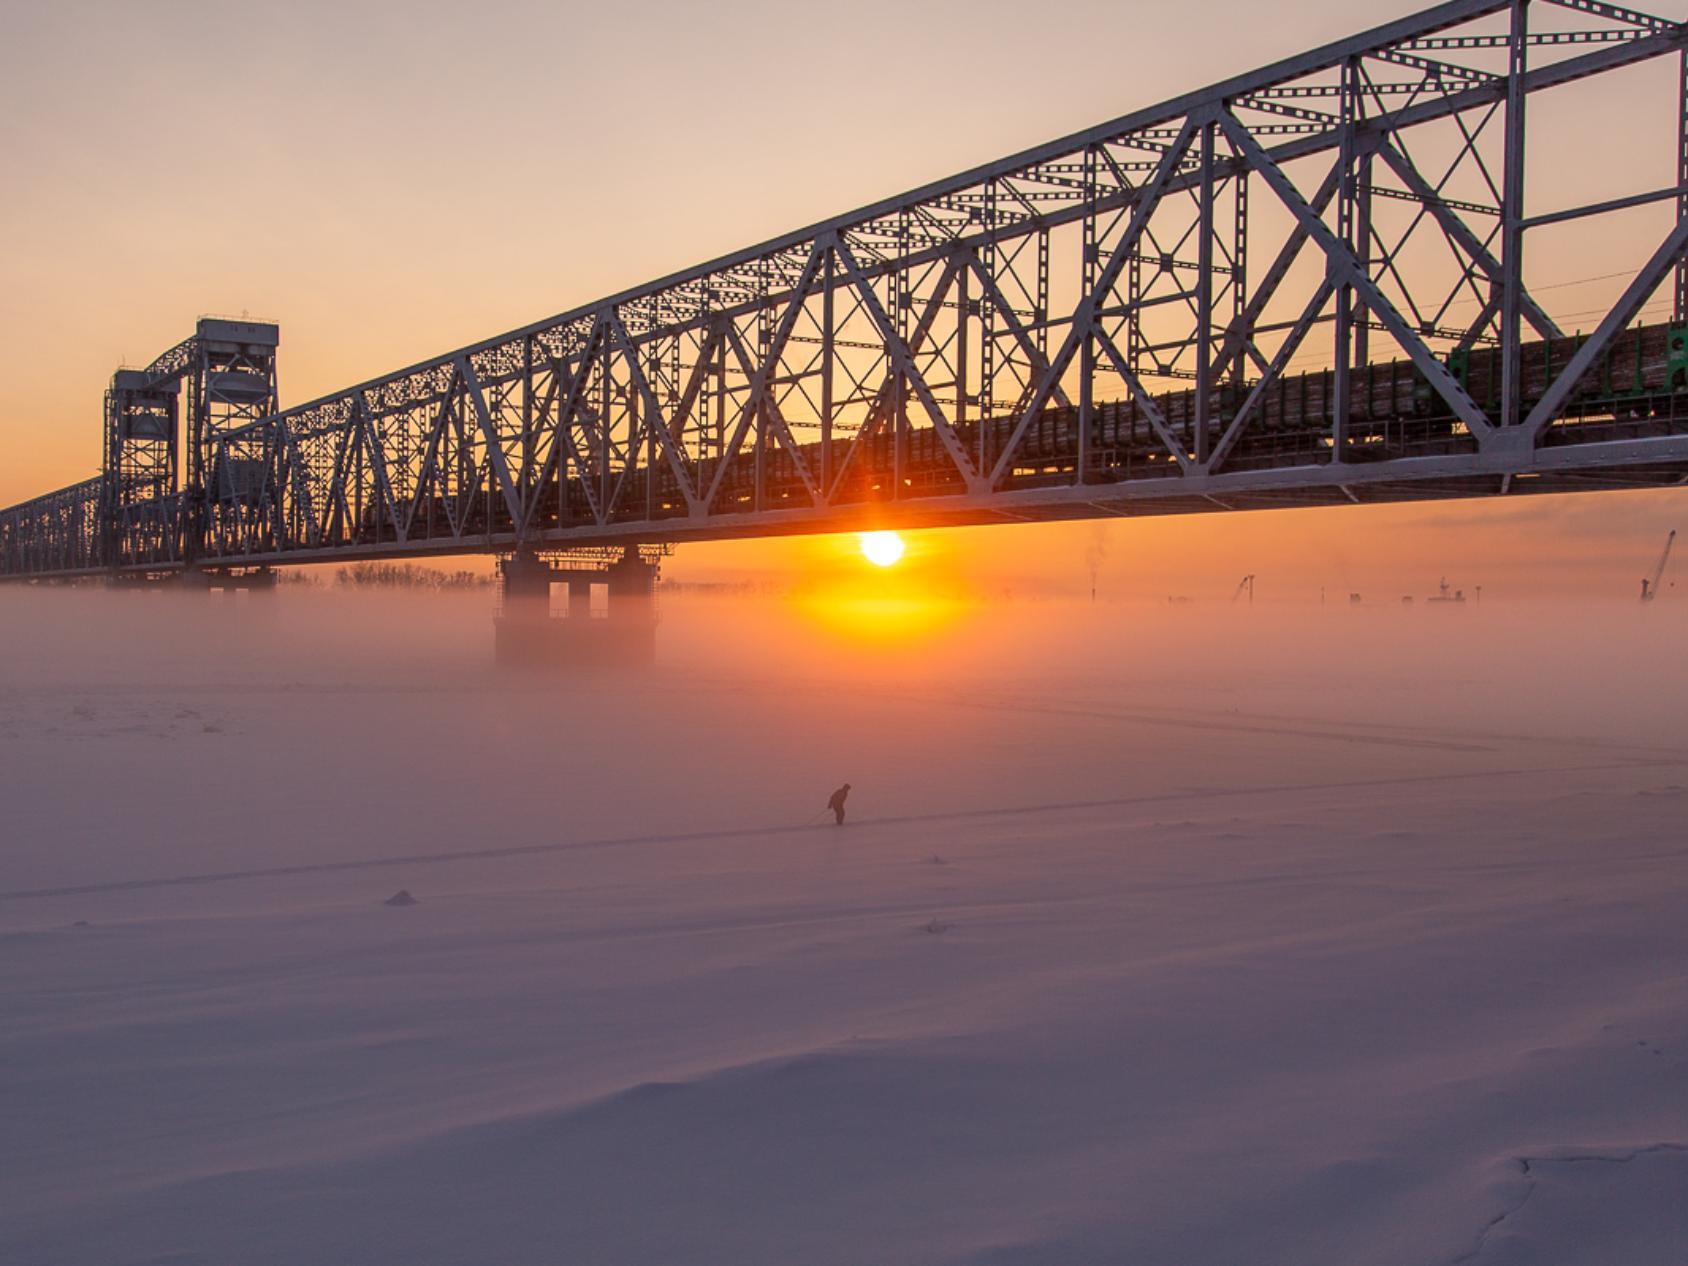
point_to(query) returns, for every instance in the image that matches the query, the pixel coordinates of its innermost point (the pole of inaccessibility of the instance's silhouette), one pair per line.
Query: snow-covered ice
(1161, 937)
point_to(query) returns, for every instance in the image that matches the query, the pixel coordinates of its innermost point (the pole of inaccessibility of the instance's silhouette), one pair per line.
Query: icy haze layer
(1160, 937)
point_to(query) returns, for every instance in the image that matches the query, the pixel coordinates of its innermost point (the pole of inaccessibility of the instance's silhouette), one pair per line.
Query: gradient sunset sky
(393, 180)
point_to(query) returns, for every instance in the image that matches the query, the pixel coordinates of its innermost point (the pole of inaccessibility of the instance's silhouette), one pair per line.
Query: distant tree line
(409, 576)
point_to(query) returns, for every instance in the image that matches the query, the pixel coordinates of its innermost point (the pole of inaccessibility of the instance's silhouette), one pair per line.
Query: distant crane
(1650, 584)
(1247, 582)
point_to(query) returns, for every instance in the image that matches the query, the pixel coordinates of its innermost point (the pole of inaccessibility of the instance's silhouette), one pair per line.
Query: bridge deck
(1626, 427)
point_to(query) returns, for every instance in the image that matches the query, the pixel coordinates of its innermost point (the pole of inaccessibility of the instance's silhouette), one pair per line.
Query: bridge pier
(579, 597)
(142, 582)
(621, 632)
(253, 580)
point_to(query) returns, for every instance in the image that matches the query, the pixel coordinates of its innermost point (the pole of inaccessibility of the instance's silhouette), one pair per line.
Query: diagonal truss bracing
(1072, 330)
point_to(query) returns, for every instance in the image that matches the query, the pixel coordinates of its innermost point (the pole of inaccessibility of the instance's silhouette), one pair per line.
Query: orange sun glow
(882, 549)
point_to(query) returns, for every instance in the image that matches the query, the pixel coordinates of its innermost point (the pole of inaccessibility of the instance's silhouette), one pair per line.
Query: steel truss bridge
(1307, 285)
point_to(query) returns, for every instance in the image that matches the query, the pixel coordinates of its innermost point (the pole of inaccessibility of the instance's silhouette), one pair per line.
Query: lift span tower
(1325, 282)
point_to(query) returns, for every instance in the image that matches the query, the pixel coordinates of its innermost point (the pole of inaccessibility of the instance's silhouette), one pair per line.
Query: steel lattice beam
(1070, 331)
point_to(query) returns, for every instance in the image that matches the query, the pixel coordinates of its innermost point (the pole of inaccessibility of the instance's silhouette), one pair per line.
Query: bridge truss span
(1324, 282)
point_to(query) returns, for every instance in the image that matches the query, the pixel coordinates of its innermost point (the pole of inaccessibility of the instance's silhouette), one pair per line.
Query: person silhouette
(836, 803)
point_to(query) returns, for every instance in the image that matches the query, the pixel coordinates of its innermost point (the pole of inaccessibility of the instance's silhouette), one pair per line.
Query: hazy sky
(393, 180)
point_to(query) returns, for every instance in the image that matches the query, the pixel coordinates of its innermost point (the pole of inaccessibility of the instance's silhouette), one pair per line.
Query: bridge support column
(252, 580)
(632, 608)
(155, 582)
(623, 634)
(522, 628)
(261, 580)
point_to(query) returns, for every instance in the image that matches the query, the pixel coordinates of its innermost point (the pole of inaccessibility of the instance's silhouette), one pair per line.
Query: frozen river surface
(1365, 947)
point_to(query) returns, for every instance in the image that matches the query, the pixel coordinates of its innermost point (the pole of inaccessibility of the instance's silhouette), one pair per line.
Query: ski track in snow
(1202, 795)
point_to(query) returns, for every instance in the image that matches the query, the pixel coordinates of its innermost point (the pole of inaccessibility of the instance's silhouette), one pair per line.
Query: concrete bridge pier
(579, 589)
(251, 580)
(631, 610)
(228, 580)
(614, 627)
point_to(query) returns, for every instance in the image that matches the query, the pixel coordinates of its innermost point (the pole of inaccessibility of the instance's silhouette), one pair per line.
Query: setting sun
(882, 549)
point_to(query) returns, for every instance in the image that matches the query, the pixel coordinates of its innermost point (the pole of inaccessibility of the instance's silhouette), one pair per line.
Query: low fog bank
(1205, 933)
(1528, 651)
(149, 734)
(1607, 670)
